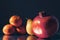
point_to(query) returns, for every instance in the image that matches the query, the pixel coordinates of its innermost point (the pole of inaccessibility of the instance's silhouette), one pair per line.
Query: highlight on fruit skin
(21, 30)
(8, 29)
(29, 27)
(15, 20)
(31, 38)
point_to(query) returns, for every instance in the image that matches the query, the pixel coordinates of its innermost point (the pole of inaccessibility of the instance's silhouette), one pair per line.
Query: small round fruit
(21, 30)
(31, 38)
(15, 20)
(29, 27)
(8, 29)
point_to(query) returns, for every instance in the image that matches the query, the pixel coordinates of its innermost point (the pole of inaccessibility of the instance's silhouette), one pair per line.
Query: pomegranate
(44, 26)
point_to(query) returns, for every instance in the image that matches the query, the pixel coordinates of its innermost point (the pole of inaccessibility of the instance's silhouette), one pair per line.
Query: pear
(29, 27)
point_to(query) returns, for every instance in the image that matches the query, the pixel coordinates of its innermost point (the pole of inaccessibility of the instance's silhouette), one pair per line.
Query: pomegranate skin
(44, 27)
(52, 26)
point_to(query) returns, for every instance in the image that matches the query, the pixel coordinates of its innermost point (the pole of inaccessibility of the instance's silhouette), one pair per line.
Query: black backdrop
(27, 9)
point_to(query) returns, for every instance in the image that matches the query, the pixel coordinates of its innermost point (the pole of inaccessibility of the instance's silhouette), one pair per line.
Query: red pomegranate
(44, 26)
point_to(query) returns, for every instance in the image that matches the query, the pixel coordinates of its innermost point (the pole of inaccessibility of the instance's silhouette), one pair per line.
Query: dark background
(27, 9)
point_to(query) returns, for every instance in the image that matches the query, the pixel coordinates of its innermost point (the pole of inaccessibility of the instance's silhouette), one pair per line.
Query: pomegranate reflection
(40, 39)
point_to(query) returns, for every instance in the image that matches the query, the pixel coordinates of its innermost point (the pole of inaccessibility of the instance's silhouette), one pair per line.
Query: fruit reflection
(31, 38)
(6, 37)
(40, 39)
(21, 38)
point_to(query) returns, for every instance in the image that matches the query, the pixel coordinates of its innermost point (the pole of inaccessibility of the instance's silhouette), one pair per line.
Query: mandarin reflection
(7, 37)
